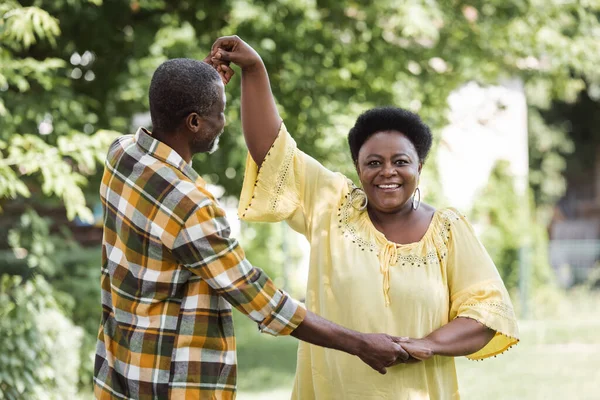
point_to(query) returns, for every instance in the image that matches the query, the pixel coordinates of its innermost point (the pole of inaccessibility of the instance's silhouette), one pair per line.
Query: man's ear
(193, 122)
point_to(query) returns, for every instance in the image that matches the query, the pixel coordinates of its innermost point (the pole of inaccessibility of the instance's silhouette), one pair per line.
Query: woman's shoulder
(450, 214)
(443, 214)
(453, 221)
(444, 221)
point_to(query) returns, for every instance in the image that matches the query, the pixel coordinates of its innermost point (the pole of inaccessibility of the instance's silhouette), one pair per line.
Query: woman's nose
(389, 170)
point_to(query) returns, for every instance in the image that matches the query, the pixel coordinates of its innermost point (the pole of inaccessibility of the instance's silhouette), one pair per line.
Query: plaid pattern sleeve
(204, 246)
(170, 274)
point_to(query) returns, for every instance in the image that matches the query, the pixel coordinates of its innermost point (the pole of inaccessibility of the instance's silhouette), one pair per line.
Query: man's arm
(203, 245)
(260, 118)
(372, 348)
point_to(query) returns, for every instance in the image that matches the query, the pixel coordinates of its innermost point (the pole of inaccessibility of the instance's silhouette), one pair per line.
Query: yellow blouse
(362, 281)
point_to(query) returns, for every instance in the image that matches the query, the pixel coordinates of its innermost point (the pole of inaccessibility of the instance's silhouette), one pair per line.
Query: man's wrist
(354, 343)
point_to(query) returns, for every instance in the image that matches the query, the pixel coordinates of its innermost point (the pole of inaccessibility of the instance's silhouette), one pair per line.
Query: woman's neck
(405, 225)
(400, 216)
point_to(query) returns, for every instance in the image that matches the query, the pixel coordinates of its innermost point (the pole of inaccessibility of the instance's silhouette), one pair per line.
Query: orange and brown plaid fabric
(170, 274)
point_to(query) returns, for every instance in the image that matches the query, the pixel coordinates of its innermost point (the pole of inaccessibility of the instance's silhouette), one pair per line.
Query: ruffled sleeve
(289, 185)
(477, 291)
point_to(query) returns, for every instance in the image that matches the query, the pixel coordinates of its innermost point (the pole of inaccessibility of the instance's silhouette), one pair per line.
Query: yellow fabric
(360, 280)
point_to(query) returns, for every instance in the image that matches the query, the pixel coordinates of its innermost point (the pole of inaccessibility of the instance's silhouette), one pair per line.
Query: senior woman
(381, 260)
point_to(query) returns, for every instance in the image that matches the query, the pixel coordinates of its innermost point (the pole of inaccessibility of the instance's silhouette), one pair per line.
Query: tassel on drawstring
(387, 257)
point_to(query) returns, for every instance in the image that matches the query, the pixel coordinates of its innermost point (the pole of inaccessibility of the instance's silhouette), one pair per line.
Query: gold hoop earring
(418, 202)
(355, 194)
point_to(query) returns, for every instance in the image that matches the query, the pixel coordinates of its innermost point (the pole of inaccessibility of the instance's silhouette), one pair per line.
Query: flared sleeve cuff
(270, 193)
(489, 304)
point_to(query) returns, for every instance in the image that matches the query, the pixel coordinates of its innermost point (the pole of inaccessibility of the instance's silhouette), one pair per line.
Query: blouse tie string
(387, 258)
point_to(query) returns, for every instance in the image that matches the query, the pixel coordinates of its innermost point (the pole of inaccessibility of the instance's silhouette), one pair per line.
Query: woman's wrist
(256, 67)
(432, 345)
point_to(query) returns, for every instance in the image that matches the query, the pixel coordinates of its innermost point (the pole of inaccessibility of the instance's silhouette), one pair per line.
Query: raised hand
(228, 49)
(260, 118)
(232, 49)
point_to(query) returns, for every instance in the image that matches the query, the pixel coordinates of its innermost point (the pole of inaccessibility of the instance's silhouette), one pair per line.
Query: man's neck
(173, 141)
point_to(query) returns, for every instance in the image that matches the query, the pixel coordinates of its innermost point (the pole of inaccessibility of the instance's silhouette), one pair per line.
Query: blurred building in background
(575, 228)
(486, 124)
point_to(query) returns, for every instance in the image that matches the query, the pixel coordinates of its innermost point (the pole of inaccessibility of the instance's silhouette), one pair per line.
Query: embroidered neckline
(357, 226)
(404, 246)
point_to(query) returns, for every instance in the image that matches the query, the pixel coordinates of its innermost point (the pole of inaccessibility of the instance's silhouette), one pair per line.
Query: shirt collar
(164, 153)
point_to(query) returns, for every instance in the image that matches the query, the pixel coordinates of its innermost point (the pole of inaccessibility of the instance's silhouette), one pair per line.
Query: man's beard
(215, 145)
(200, 145)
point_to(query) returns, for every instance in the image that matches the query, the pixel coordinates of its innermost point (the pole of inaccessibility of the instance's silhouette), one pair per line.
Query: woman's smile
(389, 187)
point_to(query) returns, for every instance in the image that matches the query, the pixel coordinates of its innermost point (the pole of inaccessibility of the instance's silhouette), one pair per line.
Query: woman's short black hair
(179, 87)
(390, 119)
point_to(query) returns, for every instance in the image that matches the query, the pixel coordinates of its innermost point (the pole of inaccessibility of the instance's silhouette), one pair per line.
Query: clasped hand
(232, 49)
(381, 351)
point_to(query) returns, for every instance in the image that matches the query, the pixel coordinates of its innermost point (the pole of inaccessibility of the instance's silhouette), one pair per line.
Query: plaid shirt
(170, 273)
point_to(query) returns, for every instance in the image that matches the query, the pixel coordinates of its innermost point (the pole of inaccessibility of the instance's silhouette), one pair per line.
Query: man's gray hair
(179, 87)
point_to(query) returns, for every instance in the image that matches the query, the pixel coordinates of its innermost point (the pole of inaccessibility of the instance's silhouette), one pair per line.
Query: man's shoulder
(176, 196)
(156, 181)
(119, 145)
(188, 197)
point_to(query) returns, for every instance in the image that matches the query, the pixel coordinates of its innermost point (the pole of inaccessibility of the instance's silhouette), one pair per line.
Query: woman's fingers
(224, 42)
(224, 56)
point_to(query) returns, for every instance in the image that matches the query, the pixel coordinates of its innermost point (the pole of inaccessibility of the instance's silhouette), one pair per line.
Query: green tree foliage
(72, 271)
(580, 121)
(39, 350)
(501, 210)
(548, 146)
(278, 261)
(510, 231)
(42, 145)
(328, 60)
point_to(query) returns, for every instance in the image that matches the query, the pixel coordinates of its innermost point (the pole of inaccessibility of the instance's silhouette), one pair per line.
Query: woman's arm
(460, 337)
(260, 119)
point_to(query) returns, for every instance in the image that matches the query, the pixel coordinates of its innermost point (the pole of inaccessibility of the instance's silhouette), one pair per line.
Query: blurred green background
(74, 75)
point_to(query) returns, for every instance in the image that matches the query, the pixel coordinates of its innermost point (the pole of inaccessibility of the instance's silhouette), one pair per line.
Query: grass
(555, 360)
(558, 357)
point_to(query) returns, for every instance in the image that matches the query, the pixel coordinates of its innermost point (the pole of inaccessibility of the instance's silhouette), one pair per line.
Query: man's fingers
(227, 42)
(382, 371)
(221, 74)
(402, 354)
(227, 71)
(224, 71)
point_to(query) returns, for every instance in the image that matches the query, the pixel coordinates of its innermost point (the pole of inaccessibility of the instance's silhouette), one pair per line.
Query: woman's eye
(373, 162)
(401, 162)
